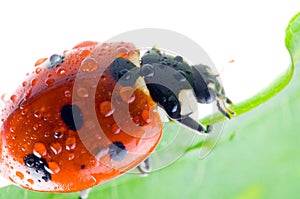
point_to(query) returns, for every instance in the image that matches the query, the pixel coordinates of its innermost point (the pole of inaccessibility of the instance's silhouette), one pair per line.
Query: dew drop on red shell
(145, 116)
(47, 134)
(68, 94)
(38, 70)
(71, 156)
(53, 167)
(20, 175)
(56, 147)
(13, 98)
(34, 81)
(89, 65)
(61, 72)
(24, 84)
(30, 181)
(50, 82)
(82, 92)
(115, 129)
(85, 53)
(106, 108)
(70, 143)
(28, 93)
(39, 149)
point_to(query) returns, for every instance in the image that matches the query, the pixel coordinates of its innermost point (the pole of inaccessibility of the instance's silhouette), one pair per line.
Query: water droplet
(34, 81)
(47, 134)
(28, 93)
(70, 143)
(126, 94)
(39, 149)
(174, 103)
(58, 135)
(53, 167)
(131, 99)
(145, 116)
(82, 92)
(106, 108)
(61, 72)
(137, 120)
(30, 181)
(12, 129)
(38, 70)
(55, 60)
(115, 129)
(89, 65)
(85, 53)
(180, 76)
(20, 175)
(103, 78)
(71, 156)
(24, 147)
(49, 82)
(147, 70)
(178, 58)
(24, 84)
(123, 50)
(37, 114)
(56, 147)
(13, 98)
(125, 74)
(4, 97)
(68, 94)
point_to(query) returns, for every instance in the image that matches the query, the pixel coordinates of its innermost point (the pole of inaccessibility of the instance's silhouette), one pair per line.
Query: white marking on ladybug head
(188, 102)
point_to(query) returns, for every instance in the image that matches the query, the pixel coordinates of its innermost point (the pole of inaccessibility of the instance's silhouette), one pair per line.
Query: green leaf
(256, 157)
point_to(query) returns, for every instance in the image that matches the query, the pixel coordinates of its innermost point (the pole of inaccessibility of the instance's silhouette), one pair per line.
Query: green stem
(276, 86)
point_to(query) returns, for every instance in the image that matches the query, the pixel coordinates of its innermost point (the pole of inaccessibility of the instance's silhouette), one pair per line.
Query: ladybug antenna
(222, 69)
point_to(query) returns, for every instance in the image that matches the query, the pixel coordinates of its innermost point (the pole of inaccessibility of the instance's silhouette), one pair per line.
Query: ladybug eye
(117, 151)
(72, 116)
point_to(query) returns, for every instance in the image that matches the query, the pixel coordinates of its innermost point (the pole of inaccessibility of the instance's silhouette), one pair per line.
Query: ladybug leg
(194, 125)
(145, 167)
(223, 110)
(84, 194)
(228, 101)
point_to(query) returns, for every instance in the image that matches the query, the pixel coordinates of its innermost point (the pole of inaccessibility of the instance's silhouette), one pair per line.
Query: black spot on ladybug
(72, 116)
(55, 60)
(82, 166)
(117, 151)
(37, 167)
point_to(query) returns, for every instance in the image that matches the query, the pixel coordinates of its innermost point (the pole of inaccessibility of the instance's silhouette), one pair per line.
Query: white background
(251, 33)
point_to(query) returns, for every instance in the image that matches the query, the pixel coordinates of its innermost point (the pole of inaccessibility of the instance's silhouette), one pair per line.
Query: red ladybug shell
(70, 126)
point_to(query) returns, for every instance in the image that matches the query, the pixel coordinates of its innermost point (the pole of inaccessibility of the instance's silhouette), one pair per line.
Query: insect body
(89, 115)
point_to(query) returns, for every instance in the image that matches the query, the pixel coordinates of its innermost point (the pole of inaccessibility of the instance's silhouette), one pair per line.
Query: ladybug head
(167, 77)
(208, 89)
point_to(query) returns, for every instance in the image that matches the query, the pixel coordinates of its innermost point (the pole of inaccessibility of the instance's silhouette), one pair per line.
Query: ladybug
(88, 115)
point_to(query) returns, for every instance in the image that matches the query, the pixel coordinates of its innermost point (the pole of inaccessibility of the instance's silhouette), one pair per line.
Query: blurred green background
(256, 157)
